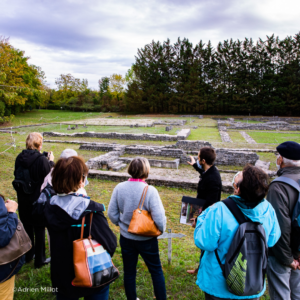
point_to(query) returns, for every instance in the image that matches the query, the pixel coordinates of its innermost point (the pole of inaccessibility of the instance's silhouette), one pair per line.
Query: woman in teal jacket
(216, 228)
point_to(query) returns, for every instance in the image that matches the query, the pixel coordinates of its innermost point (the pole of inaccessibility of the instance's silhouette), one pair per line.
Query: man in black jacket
(284, 262)
(38, 166)
(210, 183)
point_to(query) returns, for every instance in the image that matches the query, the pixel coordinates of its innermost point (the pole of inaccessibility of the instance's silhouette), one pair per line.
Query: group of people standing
(67, 203)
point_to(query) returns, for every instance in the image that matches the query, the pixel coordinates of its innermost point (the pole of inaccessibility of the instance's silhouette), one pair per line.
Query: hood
(65, 211)
(259, 213)
(74, 205)
(27, 157)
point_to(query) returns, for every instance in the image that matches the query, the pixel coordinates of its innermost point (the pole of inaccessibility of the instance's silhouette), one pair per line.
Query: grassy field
(47, 116)
(205, 134)
(62, 128)
(236, 137)
(185, 255)
(274, 137)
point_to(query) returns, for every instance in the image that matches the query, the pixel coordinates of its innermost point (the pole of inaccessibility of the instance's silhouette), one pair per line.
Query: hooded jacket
(283, 198)
(39, 167)
(209, 186)
(8, 226)
(63, 219)
(215, 229)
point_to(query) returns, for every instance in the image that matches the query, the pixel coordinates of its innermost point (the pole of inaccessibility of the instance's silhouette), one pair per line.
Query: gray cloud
(94, 38)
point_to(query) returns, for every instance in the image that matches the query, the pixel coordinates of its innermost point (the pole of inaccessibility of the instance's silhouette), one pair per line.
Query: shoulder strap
(288, 181)
(234, 209)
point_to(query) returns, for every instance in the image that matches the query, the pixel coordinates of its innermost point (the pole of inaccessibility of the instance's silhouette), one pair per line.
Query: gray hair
(68, 153)
(289, 162)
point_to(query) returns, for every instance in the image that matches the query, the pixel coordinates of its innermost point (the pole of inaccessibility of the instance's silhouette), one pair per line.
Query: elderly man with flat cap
(284, 261)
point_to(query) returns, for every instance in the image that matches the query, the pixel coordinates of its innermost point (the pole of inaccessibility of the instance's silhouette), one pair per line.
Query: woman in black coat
(31, 167)
(64, 213)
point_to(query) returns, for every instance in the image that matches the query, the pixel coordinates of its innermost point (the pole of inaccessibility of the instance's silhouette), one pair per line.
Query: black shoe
(46, 262)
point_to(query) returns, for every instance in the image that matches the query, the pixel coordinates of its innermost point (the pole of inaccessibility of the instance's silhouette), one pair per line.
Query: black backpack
(39, 205)
(246, 260)
(23, 181)
(295, 234)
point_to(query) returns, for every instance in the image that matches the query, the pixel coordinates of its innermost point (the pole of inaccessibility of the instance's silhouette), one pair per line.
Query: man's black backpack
(23, 181)
(246, 260)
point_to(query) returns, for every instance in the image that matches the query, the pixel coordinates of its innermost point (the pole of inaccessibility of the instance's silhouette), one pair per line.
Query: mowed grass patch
(236, 137)
(205, 134)
(110, 141)
(62, 128)
(274, 137)
(47, 116)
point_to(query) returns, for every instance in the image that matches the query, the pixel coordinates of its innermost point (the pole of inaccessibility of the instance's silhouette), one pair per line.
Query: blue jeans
(284, 283)
(102, 295)
(149, 251)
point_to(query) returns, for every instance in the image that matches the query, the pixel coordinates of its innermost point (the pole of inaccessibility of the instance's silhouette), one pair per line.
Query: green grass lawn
(236, 137)
(110, 141)
(274, 137)
(62, 128)
(180, 285)
(47, 116)
(205, 134)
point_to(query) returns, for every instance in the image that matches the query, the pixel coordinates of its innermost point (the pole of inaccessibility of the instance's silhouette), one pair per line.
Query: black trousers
(37, 236)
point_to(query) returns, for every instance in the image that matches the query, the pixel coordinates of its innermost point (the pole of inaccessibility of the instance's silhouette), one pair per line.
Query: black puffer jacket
(209, 186)
(63, 230)
(39, 167)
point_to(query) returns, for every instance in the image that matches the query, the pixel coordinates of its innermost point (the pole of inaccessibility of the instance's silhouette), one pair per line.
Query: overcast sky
(91, 39)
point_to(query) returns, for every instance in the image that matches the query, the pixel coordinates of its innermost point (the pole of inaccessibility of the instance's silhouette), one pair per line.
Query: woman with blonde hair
(31, 167)
(124, 200)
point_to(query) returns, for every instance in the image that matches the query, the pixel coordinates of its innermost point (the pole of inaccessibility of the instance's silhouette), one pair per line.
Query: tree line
(236, 77)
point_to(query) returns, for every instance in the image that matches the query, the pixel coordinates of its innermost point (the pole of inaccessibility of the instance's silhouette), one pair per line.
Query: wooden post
(169, 246)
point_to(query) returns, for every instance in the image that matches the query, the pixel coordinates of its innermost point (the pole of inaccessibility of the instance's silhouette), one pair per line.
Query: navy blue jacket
(8, 226)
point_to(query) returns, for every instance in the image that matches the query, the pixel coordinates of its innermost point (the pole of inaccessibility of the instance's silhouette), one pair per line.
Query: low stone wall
(224, 134)
(227, 157)
(181, 135)
(102, 161)
(155, 180)
(192, 145)
(171, 164)
(274, 125)
(170, 122)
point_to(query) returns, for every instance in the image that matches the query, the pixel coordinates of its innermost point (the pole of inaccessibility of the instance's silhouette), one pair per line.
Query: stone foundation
(171, 164)
(274, 125)
(181, 135)
(155, 180)
(192, 145)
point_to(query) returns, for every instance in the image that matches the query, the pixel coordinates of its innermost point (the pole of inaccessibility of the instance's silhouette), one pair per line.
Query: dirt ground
(187, 173)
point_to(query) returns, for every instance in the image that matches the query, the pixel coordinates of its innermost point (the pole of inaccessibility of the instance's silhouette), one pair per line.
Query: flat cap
(289, 150)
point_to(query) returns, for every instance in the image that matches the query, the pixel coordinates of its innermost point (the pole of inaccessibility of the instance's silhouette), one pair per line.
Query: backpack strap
(239, 216)
(288, 181)
(234, 209)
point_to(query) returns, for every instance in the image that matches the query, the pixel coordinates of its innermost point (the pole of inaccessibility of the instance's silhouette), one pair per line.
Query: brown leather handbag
(141, 222)
(19, 244)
